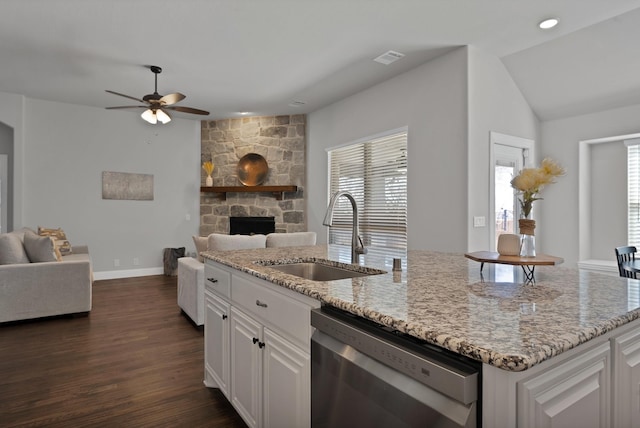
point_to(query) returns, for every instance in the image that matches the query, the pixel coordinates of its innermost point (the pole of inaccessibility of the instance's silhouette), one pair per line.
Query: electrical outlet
(187, 217)
(116, 262)
(136, 261)
(479, 221)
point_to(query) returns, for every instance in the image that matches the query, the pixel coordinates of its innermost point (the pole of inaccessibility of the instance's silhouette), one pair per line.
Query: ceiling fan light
(150, 116)
(162, 116)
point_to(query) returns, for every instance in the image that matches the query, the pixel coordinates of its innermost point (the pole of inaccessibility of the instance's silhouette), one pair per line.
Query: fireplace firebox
(251, 225)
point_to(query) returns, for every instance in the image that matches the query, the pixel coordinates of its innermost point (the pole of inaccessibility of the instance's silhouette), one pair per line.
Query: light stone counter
(442, 298)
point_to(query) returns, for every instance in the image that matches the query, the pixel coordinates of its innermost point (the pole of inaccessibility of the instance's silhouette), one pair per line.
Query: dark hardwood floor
(134, 361)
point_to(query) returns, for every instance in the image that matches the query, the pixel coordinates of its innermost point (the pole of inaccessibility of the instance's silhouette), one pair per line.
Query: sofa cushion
(292, 239)
(11, 249)
(201, 243)
(220, 242)
(60, 239)
(40, 248)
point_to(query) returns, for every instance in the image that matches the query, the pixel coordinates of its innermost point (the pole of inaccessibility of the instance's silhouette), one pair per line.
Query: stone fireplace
(281, 140)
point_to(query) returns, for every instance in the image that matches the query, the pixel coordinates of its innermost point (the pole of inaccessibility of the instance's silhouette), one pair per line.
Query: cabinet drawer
(218, 280)
(277, 310)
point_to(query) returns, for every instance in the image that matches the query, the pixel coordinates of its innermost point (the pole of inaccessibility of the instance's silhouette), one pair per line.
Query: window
(633, 192)
(375, 173)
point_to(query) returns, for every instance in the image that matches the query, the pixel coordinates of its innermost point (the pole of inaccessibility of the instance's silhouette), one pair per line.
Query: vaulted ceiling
(295, 56)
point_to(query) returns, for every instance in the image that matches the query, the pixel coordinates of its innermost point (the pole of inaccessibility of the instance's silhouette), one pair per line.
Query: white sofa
(191, 271)
(40, 289)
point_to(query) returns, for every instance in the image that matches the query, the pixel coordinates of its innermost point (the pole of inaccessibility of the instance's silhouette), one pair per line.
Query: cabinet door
(246, 367)
(216, 342)
(572, 394)
(286, 384)
(626, 380)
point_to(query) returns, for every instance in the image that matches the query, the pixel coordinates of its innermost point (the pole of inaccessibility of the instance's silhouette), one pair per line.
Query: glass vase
(527, 238)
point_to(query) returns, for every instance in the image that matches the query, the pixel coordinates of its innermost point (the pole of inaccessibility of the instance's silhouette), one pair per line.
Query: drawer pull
(224, 317)
(212, 280)
(262, 305)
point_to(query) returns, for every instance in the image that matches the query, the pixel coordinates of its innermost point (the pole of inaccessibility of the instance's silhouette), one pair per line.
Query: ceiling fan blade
(172, 98)
(187, 110)
(120, 107)
(126, 96)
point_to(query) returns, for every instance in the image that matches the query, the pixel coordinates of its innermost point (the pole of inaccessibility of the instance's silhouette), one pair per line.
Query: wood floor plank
(134, 361)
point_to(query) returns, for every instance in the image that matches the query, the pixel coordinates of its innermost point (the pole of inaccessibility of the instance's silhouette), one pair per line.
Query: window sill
(600, 266)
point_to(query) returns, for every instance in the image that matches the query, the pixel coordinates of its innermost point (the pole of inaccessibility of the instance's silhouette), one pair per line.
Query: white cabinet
(572, 394)
(246, 370)
(216, 342)
(286, 388)
(261, 352)
(626, 380)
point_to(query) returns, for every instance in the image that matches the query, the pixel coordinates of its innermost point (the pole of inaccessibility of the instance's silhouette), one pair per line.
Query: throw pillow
(11, 249)
(60, 238)
(201, 245)
(40, 248)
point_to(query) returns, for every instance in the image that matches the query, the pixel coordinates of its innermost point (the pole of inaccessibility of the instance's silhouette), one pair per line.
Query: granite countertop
(442, 298)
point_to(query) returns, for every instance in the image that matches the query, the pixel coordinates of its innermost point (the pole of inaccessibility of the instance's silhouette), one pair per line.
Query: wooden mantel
(278, 191)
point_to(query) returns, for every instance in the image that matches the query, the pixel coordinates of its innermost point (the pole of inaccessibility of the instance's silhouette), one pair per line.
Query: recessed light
(548, 23)
(244, 113)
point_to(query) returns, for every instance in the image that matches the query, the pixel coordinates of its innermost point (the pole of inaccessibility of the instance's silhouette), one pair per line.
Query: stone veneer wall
(281, 140)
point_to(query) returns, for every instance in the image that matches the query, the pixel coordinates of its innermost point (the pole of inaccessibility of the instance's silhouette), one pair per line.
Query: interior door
(4, 179)
(508, 161)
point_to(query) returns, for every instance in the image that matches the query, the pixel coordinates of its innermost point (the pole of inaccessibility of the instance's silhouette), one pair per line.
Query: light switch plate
(479, 221)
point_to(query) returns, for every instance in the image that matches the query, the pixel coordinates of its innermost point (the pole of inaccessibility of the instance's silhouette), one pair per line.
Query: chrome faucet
(357, 247)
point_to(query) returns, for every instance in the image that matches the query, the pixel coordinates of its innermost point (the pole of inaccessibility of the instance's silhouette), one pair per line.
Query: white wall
(432, 101)
(558, 213)
(495, 104)
(66, 148)
(450, 105)
(608, 199)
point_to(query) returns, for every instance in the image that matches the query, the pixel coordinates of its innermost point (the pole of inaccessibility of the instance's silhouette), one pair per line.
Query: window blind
(633, 194)
(375, 173)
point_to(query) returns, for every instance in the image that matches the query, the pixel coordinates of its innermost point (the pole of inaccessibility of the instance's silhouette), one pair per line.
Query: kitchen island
(547, 348)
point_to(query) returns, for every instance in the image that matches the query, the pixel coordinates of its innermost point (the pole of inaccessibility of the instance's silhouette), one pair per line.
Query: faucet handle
(361, 249)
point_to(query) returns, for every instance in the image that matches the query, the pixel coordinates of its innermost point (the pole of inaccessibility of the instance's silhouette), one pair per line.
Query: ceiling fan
(156, 105)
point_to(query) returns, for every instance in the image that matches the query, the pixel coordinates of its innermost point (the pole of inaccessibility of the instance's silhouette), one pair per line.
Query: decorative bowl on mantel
(252, 169)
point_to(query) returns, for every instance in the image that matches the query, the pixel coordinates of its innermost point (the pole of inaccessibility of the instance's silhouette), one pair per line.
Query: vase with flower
(208, 168)
(528, 184)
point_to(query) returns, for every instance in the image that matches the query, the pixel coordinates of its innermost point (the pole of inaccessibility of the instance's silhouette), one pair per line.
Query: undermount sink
(317, 271)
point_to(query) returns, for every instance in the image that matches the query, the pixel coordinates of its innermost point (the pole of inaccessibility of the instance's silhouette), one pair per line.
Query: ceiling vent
(389, 57)
(296, 103)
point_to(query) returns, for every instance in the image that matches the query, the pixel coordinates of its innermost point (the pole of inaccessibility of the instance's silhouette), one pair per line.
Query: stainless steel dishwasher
(367, 375)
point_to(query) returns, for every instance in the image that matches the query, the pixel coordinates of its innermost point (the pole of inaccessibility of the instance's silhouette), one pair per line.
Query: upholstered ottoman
(191, 288)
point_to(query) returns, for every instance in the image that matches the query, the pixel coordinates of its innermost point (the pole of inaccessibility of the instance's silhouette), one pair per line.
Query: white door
(216, 341)
(4, 179)
(286, 384)
(509, 155)
(509, 161)
(246, 367)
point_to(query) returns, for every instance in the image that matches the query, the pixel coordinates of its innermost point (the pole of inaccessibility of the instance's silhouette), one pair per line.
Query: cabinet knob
(224, 316)
(261, 345)
(212, 280)
(262, 305)
(255, 340)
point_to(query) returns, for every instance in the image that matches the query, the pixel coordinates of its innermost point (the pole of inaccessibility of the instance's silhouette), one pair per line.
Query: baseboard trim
(129, 273)
(600, 266)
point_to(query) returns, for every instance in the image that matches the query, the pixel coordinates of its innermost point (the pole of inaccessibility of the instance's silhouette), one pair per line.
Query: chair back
(625, 254)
